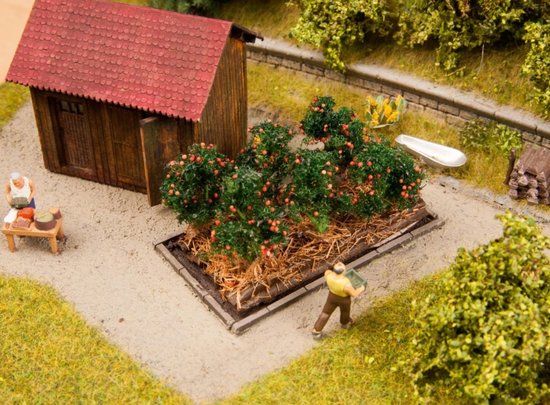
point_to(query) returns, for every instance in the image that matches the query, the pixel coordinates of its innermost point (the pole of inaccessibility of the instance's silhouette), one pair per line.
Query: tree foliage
(537, 63)
(464, 24)
(486, 332)
(333, 24)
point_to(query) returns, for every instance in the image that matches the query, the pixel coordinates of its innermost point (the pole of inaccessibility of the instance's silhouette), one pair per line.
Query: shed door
(125, 154)
(75, 147)
(159, 146)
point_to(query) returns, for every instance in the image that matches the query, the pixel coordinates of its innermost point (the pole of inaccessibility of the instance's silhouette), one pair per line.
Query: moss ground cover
(49, 355)
(495, 74)
(134, 2)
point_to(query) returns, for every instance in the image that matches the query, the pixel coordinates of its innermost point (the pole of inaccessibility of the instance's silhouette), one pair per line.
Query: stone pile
(530, 175)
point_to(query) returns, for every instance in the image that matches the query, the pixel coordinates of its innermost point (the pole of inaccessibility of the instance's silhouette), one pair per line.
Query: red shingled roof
(139, 57)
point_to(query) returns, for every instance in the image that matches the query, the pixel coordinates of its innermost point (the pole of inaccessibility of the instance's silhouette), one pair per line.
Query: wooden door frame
(49, 135)
(53, 100)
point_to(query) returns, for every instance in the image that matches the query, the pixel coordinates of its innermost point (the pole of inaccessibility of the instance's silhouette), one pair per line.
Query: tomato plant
(247, 204)
(194, 183)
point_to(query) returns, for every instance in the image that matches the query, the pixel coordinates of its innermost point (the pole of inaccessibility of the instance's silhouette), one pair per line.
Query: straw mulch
(306, 250)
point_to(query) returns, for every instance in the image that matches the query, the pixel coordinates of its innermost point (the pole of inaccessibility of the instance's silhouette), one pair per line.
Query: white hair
(339, 267)
(15, 175)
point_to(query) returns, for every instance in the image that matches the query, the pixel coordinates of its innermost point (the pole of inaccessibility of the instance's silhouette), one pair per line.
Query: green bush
(314, 185)
(490, 137)
(201, 7)
(537, 62)
(268, 152)
(486, 332)
(464, 24)
(249, 217)
(340, 131)
(373, 174)
(333, 24)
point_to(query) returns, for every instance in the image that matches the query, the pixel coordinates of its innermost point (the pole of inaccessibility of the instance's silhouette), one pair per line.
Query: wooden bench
(52, 234)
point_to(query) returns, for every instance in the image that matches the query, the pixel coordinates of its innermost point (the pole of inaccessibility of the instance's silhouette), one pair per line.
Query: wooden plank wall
(106, 123)
(46, 109)
(45, 130)
(188, 134)
(224, 119)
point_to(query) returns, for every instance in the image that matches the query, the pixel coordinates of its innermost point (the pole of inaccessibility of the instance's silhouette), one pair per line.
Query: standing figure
(340, 292)
(20, 186)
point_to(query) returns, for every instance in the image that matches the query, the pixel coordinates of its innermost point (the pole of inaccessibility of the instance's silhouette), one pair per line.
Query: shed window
(71, 107)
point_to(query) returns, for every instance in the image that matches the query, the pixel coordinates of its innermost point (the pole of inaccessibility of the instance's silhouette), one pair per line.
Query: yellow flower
(375, 118)
(387, 110)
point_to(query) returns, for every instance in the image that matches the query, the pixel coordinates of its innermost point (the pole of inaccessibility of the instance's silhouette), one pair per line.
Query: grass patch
(270, 18)
(134, 2)
(12, 97)
(288, 93)
(359, 366)
(496, 76)
(50, 355)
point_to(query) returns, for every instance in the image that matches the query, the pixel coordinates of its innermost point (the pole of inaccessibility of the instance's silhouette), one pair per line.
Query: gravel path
(109, 271)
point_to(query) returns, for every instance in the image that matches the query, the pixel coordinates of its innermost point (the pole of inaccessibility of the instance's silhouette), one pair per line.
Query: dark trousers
(333, 302)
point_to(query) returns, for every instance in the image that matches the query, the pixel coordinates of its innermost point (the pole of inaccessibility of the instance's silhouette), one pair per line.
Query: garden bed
(348, 241)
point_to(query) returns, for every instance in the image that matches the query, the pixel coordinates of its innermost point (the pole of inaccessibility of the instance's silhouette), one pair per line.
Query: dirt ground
(110, 272)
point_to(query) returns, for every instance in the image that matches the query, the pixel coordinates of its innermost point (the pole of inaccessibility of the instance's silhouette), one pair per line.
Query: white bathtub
(432, 153)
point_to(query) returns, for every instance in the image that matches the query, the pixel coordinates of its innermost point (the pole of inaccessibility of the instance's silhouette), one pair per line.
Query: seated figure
(20, 187)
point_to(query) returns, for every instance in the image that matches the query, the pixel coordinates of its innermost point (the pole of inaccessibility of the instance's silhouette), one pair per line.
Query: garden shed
(118, 90)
